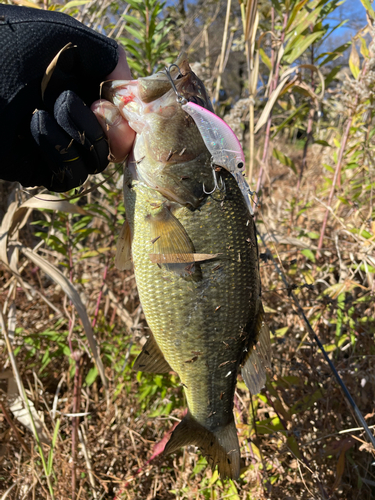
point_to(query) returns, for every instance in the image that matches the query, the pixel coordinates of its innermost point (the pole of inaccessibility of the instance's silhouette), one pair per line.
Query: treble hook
(216, 185)
(180, 98)
(178, 68)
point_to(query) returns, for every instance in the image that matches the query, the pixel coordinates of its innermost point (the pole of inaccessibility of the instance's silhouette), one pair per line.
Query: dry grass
(299, 438)
(303, 445)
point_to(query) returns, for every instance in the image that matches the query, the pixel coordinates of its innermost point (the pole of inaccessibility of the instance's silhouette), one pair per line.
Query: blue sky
(355, 12)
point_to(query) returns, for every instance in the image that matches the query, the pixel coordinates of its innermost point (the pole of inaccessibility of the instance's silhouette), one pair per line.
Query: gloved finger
(80, 123)
(119, 134)
(122, 70)
(60, 152)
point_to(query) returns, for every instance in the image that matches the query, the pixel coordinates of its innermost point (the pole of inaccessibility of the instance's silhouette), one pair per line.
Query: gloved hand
(54, 140)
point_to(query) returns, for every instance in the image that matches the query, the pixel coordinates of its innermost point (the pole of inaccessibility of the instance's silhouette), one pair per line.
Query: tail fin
(220, 447)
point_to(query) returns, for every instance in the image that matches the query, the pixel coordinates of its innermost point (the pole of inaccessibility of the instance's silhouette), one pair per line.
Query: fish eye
(240, 164)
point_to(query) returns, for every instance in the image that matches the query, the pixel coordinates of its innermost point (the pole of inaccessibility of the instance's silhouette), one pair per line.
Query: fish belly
(204, 324)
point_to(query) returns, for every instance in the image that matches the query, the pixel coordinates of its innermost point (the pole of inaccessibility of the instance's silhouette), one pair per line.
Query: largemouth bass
(195, 259)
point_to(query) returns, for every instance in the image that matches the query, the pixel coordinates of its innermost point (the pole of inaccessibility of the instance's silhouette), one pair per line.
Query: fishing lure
(220, 140)
(222, 143)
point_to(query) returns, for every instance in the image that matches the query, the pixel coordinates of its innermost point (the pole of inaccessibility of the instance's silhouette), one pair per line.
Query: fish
(192, 242)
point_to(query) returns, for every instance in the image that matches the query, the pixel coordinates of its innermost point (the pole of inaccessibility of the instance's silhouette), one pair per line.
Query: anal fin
(220, 447)
(151, 359)
(123, 259)
(258, 359)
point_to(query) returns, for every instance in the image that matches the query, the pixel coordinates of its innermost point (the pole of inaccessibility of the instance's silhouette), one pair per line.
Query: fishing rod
(320, 345)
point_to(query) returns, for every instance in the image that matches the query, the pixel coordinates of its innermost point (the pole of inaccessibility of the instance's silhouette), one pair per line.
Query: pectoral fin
(172, 246)
(258, 359)
(123, 259)
(151, 359)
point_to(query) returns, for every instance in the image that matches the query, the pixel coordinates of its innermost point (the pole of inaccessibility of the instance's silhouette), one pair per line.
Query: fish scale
(195, 259)
(193, 323)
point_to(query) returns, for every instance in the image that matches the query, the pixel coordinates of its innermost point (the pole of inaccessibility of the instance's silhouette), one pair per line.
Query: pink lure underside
(219, 138)
(222, 143)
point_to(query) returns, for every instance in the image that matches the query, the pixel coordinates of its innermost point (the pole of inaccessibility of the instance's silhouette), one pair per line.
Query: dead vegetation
(65, 309)
(305, 442)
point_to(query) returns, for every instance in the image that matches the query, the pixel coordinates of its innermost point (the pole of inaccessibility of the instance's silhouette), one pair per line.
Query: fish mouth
(186, 82)
(151, 88)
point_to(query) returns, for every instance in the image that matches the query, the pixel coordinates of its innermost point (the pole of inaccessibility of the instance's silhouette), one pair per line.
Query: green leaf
(364, 50)
(277, 6)
(313, 235)
(340, 314)
(322, 143)
(294, 13)
(354, 62)
(307, 402)
(73, 3)
(331, 75)
(46, 360)
(53, 445)
(301, 44)
(369, 9)
(343, 200)
(265, 59)
(134, 20)
(308, 254)
(137, 34)
(284, 159)
(136, 4)
(331, 56)
(269, 426)
(281, 331)
(304, 20)
(133, 51)
(293, 446)
(334, 29)
(136, 67)
(91, 376)
(296, 113)
(329, 347)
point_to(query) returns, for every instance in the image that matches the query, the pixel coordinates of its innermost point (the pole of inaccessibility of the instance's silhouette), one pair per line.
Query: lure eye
(240, 164)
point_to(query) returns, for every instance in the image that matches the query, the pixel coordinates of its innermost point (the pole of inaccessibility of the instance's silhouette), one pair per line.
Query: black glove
(61, 143)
